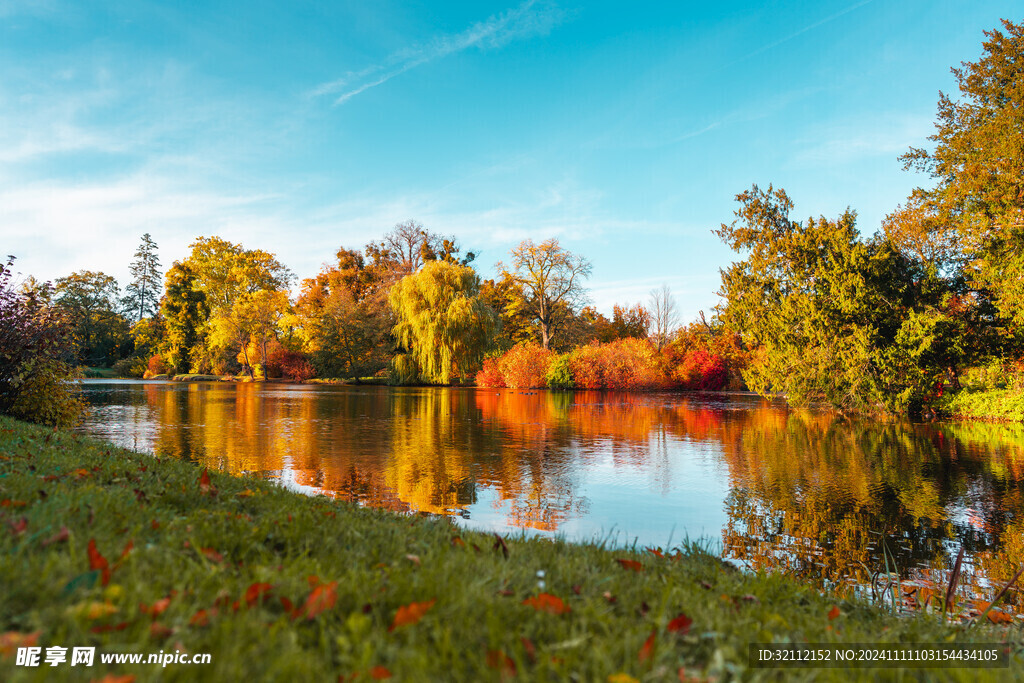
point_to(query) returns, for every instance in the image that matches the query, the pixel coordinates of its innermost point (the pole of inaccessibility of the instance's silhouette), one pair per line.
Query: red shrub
(490, 375)
(525, 366)
(289, 364)
(701, 370)
(624, 364)
(157, 365)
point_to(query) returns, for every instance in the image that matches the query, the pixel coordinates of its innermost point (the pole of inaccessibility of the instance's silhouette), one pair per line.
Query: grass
(279, 586)
(986, 404)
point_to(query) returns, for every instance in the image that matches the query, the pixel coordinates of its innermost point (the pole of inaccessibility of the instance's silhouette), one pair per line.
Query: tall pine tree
(142, 295)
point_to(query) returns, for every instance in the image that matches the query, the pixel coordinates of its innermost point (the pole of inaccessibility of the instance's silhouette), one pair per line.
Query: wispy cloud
(805, 29)
(531, 18)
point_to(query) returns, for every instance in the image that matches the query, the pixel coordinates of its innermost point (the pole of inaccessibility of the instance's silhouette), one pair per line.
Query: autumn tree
(664, 315)
(142, 295)
(90, 300)
(972, 219)
(551, 281)
(408, 246)
(185, 313)
(630, 321)
(442, 320)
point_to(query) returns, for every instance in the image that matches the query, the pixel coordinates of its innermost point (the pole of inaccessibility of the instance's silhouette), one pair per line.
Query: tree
(838, 319)
(551, 279)
(185, 312)
(631, 321)
(973, 218)
(407, 247)
(664, 315)
(90, 299)
(442, 320)
(142, 295)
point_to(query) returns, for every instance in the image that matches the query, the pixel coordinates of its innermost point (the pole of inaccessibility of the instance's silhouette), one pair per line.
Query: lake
(831, 500)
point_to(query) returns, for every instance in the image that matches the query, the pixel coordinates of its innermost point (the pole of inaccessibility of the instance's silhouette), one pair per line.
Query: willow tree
(442, 319)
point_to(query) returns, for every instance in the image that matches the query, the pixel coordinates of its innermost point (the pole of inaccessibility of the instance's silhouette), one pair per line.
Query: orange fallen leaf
(630, 564)
(459, 542)
(158, 630)
(82, 474)
(157, 608)
(114, 678)
(380, 673)
(205, 487)
(321, 599)
(202, 617)
(212, 555)
(647, 649)
(656, 552)
(255, 592)
(97, 561)
(12, 640)
(407, 615)
(8, 503)
(833, 613)
(496, 659)
(680, 624)
(545, 602)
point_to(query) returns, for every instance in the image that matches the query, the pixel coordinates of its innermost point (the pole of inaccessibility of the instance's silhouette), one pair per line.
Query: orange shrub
(701, 370)
(157, 365)
(293, 365)
(624, 364)
(490, 375)
(525, 366)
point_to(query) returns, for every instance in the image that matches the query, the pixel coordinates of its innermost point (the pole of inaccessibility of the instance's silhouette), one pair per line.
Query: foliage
(490, 374)
(35, 372)
(142, 295)
(293, 365)
(706, 357)
(132, 367)
(701, 370)
(218, 562)
(184, 311)
(442, 320)
(560, 373)
(525, 366)
(631, 321)
(550, 279)
(624, 364)
(90, 301)
(157, 365)
(404, 370)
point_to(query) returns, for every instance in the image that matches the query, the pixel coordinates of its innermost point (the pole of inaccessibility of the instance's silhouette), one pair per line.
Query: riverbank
(999, 404)
(133, 554)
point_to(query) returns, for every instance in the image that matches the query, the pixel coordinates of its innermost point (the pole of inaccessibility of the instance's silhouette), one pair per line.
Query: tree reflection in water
(812, 494)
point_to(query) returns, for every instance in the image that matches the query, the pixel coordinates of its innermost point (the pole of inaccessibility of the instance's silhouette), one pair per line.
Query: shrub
(624, 364)
(157, 365)
(525, 366)
(560, 373)
(289, 364)
(35, 371)
(490, 375)
(134, 367)
(701, 370)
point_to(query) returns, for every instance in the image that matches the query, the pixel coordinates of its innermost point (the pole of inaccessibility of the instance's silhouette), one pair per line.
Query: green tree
(185, 312)
(973, 217)
(442, 320)
(142, 295)
(551, 281)
(90, 300)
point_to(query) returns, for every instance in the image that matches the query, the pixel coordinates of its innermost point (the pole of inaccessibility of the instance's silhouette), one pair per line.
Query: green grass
(986, 404)
(204, 549)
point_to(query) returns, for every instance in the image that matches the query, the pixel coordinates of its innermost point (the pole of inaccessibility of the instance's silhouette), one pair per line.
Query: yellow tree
(551, 279)
(442, 319)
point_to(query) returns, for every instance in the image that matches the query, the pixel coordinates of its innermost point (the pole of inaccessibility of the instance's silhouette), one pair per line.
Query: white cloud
(531, 18)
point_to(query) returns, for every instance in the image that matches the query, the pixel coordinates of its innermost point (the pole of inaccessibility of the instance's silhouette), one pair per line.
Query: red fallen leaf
(496, 659)
(255, 592)
(459, 542)
(287, 604)
(205, 487)
(202, 617)
(18, 526)
(705, 585)
(8, 503)
(647, 649)
(127, 549)
(577, 589)
(833, 613)
(680, 624)
(157, 630)
(630, 564)
(545, 602)
(154, 525)
(58, 537)
(97, 561)
(531, 650)
(51, 477)
(212, 555)
(313, 580)
(410, 614)
(321, 599)
(656, 552)
(12, 640)
(380, 673)
(330, 513)
(108, 628)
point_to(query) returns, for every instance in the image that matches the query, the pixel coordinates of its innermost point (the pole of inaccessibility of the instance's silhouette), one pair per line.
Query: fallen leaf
(97, 561)
(8, 503)
(82, 474)
(12, 640)
(621, 678)
(656, 552)
(256, 592)
(380, 673)
(202, 617)
(630, 564)
(410, 614)
(95, 610)
(459, 542)
(287, 604)
(500, 543)
(205, 487)
(577, 589)
(496, 659)
(530, 648)
(58, 537)
(609, 597)
(245, 494)
(158, 630)
(833, 613)
(545, 602)
(18, 526)
(647, 649)
(321, 599)
(680, 624)
(414, 559)
(212, 555)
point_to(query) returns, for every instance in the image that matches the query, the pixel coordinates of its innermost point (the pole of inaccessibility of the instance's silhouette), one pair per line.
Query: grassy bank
(986, 404)
(113, 549)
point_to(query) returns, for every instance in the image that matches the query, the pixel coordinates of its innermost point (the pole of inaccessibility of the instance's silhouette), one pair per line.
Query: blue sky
(623, 129)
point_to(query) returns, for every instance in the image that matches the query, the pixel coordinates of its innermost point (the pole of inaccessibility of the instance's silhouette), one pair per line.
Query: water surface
(827, 499)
